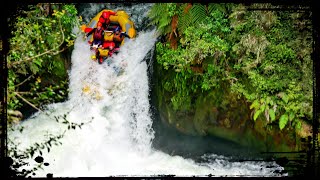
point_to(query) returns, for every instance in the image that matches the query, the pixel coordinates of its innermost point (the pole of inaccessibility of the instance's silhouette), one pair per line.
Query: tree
(39, 33)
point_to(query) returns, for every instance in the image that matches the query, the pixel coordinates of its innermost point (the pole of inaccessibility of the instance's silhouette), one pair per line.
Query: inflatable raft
(119, 20)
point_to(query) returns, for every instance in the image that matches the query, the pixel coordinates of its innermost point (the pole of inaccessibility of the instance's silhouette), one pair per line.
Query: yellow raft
(121, 18)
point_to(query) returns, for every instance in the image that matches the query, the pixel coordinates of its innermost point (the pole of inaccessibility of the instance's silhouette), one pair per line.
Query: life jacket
(103, 52)
(98, 34)
(108, 36)
(104, 20)
(108, 44)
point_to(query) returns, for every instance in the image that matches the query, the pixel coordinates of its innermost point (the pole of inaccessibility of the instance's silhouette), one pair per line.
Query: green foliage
(185, 18)
(264, 56)
(37, 38)
(270, 66)
(283, 120)
(161, 15)
(198, 13)
(200, 47)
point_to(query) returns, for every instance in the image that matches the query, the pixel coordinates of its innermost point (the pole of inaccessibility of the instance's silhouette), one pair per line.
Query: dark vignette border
(4, 49)
(313, 159)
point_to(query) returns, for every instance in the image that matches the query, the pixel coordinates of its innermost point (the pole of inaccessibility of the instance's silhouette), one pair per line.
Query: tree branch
(57, 52)
(22, 92)
(26, 92)
(26, 101)
(28, 59)
(24, 81)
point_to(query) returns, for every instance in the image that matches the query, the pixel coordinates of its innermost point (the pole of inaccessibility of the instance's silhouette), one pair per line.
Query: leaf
(285, 98)
(272, 114)
(38, 62)
(271, 102)
(34, 68)
(298, 124)
(263, 107)
(255, 104)
(291, 115)
(31, 153)
(283, 121)
(184, 21)
(256, 114)
(39, 159)
(198, 13)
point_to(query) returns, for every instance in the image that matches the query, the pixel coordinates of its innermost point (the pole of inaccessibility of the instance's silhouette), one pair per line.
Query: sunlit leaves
(283, 121)
(272, 115)
(255, 104)
(256, 114)
(298, 125)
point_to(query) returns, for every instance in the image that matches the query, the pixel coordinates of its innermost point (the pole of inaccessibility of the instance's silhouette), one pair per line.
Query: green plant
(38, 36)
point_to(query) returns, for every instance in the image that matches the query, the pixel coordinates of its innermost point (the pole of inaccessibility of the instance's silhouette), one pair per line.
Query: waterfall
(116, 136)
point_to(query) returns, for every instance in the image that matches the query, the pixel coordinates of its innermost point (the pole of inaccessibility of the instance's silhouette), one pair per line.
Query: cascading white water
(117, 140)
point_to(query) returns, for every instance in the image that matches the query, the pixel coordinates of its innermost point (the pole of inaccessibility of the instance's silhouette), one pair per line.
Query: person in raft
(104, 18)
(106, 45)
(98, 35)
(118, 37)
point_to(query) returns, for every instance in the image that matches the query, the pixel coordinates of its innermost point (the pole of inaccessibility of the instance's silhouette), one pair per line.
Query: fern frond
(184, 21)
(167, 30)
(164, 23)
(211, 7)
(220, 7)
(157, 10)
(159, 16)
(198, 13)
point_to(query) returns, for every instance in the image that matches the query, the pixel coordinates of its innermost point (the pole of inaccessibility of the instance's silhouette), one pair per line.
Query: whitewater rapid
(116, 136)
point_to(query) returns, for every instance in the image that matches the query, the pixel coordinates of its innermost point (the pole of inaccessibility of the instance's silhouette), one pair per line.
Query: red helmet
(104, 14)
(99, 24)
